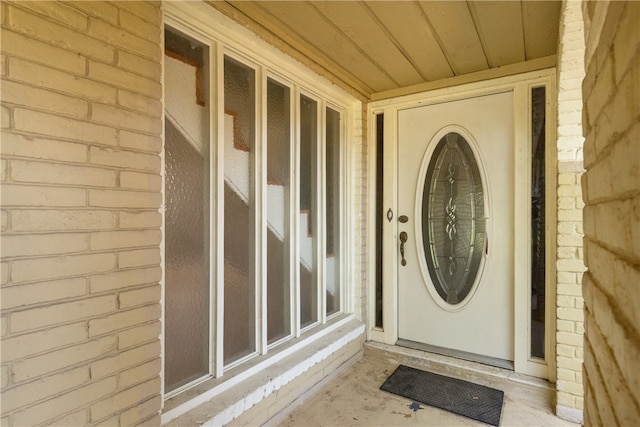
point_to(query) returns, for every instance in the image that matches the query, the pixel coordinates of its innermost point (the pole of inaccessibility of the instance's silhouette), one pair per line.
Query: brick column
(570, 264)
(81, 137)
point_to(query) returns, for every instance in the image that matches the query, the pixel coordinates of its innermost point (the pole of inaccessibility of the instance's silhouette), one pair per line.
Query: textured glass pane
(239, 211)
(538, 222)
(308, 197)
(453, 223)
(186, 221)
(278, 146)
(332, 210)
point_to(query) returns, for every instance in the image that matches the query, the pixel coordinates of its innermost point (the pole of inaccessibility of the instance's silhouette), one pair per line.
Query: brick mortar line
(605, 152)
(116, 6)
(82, 186)
(119, 7)
(129, 367)
(88, 295)
(89, 120)
(41, 137)
(613, 89)
(86, 320)
(86, 75)
(611, 357)
(591, 394)
(86, 252)
(53, 233)
(41, 184)
(88, 338)
(627, 325)
(44, 399)
(96, 166)
(86, 116)
(120, 411)
(123, 209)
(86, 383)
(114, 352)
(620, 197)
(74, 164)
(620, 255)
(85, 32)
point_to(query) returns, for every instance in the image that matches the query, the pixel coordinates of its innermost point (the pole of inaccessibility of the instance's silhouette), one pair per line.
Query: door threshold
(458, 354)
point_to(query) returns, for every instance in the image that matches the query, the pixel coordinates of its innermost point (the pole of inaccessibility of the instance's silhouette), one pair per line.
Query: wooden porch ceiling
(378, 49)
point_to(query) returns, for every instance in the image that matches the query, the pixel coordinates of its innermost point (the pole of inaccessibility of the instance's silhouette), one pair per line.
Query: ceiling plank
(370, 39)
(456, 31)
(499, 25)
(279, 38)
(378, 48)
(403, 20)
(305, 23)
(541, 23)
(488, 74)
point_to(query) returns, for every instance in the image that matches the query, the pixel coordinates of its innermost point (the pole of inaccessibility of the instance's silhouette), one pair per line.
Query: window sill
(218, 401)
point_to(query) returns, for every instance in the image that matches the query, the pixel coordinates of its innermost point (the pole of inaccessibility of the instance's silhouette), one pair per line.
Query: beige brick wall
(569, 263)
(611, 187)
(81, 138)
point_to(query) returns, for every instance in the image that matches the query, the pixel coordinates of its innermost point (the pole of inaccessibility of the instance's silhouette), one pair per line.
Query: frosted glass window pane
(186, 214)
(332, 210)
(308, 197)
(278, 146)
(239, 211)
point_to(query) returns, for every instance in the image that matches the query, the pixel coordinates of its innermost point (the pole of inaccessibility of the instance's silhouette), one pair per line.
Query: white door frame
(521, 86)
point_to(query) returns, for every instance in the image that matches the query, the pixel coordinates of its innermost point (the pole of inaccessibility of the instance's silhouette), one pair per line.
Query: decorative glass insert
(538, 222)
(453, 221)
(379, 214)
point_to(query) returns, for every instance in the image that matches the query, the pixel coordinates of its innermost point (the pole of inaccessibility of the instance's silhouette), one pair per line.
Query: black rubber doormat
(458, 396)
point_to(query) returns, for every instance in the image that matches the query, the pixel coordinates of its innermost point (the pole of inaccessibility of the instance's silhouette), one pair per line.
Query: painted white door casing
(482, 323)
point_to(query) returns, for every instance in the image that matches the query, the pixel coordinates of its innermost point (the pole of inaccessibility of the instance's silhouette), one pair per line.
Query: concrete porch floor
(353, 398)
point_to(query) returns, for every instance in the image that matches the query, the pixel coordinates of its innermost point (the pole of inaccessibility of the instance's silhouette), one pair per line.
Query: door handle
(403, 239)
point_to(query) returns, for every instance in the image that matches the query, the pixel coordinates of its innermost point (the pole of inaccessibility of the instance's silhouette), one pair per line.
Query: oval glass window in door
(453, 218)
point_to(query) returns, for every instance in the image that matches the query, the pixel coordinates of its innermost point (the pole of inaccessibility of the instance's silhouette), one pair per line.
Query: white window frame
(226, 38)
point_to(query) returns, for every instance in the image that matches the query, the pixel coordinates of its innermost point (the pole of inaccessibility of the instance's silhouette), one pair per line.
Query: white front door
(456, 189)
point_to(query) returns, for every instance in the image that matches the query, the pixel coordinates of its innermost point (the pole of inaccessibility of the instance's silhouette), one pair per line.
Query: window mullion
(321, 199)
(294, 211)
(217, 315)
(340, 243)
(345, 301)
(260, 162)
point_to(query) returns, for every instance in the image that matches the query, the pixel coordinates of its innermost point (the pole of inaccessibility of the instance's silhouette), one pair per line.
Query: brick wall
(611, 188)
(570, 264)
(81, 137)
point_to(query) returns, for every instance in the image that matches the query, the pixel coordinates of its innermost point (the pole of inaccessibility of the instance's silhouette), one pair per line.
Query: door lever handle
(403, 240)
